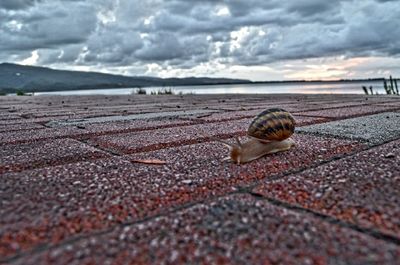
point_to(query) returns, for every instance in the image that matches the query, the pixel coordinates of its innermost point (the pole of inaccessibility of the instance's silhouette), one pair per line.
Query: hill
(14, 77)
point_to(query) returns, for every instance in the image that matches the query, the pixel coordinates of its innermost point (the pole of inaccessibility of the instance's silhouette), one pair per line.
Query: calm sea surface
(304, 88)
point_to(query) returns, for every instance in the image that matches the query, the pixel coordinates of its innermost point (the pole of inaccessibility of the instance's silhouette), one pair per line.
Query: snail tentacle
(238, 141)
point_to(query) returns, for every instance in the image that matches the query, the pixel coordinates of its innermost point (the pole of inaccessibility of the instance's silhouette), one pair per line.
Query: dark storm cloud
(46, 26)
(16, 4)
(311, 7)
(183, 33)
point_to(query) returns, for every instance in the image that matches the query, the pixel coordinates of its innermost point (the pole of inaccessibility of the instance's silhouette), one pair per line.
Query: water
(301, 87)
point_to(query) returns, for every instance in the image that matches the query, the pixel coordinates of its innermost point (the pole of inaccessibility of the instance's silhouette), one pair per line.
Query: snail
(269, 133)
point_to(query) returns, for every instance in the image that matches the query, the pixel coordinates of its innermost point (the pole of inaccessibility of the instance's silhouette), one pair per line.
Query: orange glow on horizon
(334, 70)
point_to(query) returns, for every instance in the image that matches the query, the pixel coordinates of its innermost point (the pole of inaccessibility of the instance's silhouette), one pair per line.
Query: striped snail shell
(272, 125)
(269, 133)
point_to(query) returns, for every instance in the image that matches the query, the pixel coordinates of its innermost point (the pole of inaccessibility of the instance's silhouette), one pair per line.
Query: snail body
(269, 133)
(254, 149)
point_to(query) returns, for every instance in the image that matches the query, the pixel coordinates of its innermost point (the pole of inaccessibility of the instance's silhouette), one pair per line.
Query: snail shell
(272, 125)
(269, 131)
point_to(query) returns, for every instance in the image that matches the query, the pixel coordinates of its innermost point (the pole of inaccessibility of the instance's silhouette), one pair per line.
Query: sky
(250, 39)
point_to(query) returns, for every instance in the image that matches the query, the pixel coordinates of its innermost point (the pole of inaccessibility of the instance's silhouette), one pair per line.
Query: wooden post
(386, 87)
(365, 90)
(391, 85)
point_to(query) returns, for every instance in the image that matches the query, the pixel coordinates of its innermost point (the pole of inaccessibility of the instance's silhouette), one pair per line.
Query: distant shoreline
(315, 87)
(283, 82)
(321, 81)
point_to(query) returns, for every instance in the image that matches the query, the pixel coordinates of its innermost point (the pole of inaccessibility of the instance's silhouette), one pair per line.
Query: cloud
(17, 4)
(192, 36)
(46, 26)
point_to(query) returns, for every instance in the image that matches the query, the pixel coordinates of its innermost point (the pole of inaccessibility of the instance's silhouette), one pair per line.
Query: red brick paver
(88, 193)
(233, 230)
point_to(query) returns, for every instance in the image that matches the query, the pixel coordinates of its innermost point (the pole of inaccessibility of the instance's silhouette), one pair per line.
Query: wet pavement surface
(142, 180)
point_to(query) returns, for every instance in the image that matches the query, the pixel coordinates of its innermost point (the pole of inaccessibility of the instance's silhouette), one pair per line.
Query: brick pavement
(73, 190)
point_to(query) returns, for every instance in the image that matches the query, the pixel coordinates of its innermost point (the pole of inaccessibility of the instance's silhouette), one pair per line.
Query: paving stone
(20, 127)
(9, 116)
(42, 120)
(261, 105)
(362, 189)
(132, 126)
(167, 137)
(77, 117)
(349, 112)
(51, 204)
(144, 116)
(338, 104)
(48, 153)
(232, 230)
(394, 104)
(375, 129)
(29, 136)
(93, 112)
(300, 107)
(12, 121)
(55, 114)
(22, 132)
(47, 204)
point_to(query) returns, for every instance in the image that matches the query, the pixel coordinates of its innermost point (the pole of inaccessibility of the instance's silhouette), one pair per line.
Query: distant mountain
(14, 77)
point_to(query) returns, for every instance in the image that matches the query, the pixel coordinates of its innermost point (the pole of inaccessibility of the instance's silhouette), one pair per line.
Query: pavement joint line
(21, 130)
(348, 117)
(24, 116)
(313, 116)
(334, 136)
(332, 108)
(333, 118)
(87, 136)
(45, 124)
(108, 151)
(199, 119)
(160, 146)
(361, 140)
(214, 109)
(324, 119)
(326, 218)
